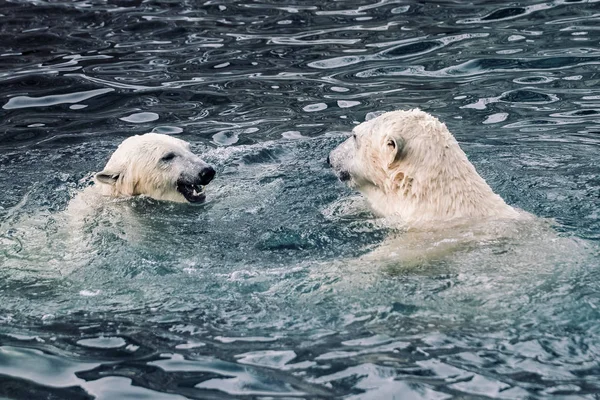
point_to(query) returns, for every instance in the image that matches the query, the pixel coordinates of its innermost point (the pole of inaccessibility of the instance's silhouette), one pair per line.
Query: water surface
(255, 293)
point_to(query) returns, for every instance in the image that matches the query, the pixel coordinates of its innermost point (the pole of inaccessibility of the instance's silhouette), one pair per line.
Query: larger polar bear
(409, 166)
(412, 171)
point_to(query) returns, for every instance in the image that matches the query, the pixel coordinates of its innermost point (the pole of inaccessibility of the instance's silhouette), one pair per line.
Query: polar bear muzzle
(339, 159)
(193, 189)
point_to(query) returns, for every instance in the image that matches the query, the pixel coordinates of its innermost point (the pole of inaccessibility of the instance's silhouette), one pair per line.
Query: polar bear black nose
(328, 160)
(206, 175)
(344, 176)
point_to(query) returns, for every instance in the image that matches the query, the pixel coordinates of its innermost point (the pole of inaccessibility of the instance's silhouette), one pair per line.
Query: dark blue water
(254, 294)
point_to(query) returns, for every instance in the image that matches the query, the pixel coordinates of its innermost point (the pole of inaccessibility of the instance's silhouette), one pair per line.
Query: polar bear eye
(168, 157)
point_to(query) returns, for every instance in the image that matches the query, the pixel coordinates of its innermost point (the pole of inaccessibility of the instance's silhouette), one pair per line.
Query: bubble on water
(336, 62)
(373, 114)
(190, 345)
(231, 136)
(339, 89)
(292, 135)
(528, 80)
(132, 348)
(90, 293)
(226, 138)
(167, 130)
(495, 118)
(253, 339)
(103, 342)
(509, 51)
(347, 103)
(222, 65)
(315, 107)
(140, 118)
(400, 10)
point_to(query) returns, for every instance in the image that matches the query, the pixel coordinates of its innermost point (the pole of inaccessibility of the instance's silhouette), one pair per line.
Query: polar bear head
(158, 166)
(409, 165)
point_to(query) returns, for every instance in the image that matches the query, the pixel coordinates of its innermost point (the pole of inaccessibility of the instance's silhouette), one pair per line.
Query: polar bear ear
(107, 177)
(393, 148)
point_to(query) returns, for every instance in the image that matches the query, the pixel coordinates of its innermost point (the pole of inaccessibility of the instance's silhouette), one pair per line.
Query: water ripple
(45, 101)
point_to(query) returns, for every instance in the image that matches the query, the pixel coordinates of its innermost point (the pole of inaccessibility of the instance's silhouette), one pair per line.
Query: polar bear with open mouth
(152, 165)
(410, 167)
(159, 166)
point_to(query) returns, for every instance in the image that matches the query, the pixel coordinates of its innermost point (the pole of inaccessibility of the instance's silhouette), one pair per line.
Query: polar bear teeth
(192, 192)
(197, 190)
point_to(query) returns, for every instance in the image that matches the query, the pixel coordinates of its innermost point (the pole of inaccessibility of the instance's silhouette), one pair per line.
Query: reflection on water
(258, 292)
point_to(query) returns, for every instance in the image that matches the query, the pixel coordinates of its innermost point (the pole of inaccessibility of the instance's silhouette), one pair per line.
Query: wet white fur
(138, 170)
(410, 167)
(135, 168)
